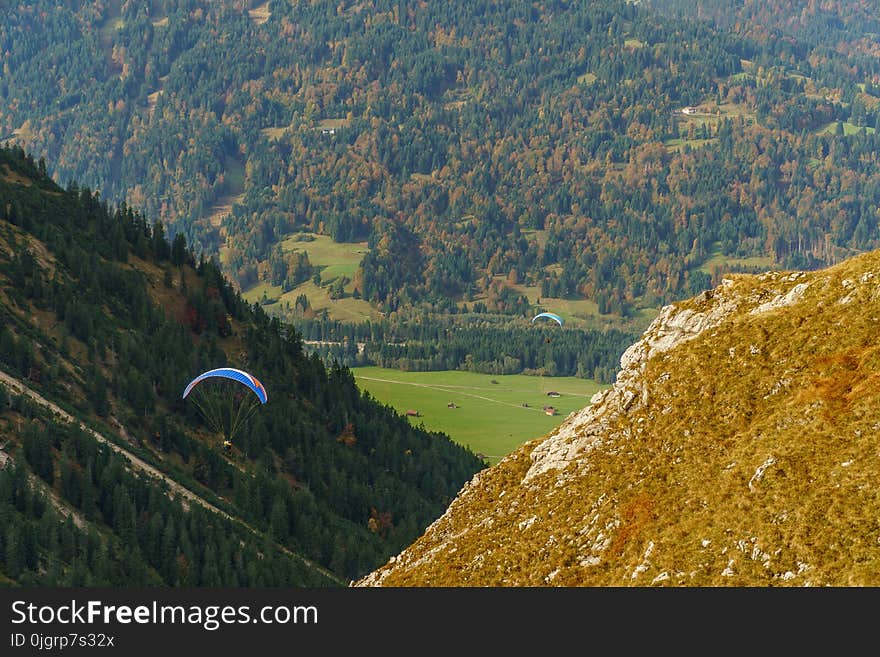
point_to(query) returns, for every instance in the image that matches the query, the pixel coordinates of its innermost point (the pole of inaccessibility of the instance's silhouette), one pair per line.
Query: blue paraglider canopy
(552, 316)
(230, 373)
(226, 405)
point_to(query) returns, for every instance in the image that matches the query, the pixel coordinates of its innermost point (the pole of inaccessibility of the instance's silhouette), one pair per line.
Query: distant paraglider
(227, 398)
(556, 318)
(552, 316)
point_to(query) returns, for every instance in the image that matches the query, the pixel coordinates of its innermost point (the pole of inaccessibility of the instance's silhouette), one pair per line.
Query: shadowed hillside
(105, 318)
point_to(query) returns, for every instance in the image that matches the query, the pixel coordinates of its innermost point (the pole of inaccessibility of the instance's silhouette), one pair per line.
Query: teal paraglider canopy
(552, 316)
(227, 398)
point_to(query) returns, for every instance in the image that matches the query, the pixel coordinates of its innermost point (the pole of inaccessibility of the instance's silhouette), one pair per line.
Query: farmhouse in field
(549, 410)
(412, 413)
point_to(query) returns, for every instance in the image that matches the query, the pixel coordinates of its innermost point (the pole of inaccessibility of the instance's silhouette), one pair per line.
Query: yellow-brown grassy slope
(739, 446)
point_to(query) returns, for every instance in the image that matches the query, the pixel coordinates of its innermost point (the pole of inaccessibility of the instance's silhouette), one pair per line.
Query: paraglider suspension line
(224, 413)
(207, 408)
(242, 414)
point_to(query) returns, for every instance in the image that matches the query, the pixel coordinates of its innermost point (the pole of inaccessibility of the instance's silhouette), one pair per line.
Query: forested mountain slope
(507, 149)
(816, 24)
(738, 447)
(102, 315)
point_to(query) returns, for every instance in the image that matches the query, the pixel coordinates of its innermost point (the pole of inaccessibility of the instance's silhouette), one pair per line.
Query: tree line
(488, 346)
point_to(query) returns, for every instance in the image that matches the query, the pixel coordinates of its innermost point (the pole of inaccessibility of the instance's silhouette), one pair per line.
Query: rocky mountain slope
(738, 447)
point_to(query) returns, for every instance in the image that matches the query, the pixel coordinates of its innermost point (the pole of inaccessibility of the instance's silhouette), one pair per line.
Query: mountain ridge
(734, 449)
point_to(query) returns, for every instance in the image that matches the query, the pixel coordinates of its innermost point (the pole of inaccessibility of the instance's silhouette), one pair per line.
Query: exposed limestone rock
(581, 431)
(759, 473)
(782, 300)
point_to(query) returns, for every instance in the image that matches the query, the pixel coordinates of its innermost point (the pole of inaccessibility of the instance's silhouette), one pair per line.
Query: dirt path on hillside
(186, 495)
(183, 492)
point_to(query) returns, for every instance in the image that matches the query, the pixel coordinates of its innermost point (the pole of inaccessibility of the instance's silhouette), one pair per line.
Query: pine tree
(278, 521)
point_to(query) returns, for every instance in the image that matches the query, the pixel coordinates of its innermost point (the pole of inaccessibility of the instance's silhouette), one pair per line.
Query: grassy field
(260, 15)
(343, 259)
(584, 313)
(579, 312)
(347, 309)
(718, 259)
(233, 192)
(277, 132)
(489, 418)
(334, 258)
(848, 128)
(333, 124)
(711, 115)
(586, 78)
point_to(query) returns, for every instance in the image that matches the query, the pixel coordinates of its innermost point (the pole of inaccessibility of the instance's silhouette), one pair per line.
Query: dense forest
(85, 520)
(487, 347)
(848, 25)
(105, 316)
(626, 153)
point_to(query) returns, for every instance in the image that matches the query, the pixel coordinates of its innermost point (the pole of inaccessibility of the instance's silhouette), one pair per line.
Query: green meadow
(848, 129)
(493, 414)
(334, 258)
(719, 260)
